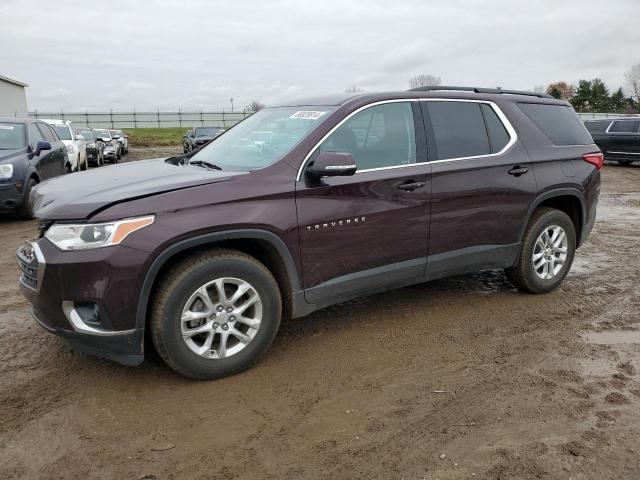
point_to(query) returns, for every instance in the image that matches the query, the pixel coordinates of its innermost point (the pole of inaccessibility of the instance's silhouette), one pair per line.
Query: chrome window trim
(623, 120)
(513, 136)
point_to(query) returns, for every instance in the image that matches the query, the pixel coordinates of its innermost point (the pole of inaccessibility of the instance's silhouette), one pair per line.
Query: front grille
(29, 266)
(43, 226)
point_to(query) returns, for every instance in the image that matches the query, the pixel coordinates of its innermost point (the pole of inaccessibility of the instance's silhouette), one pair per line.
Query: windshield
(12, 136)
(103, 134)
(263, 138)
(206, 131)
(62, 131)
(115, 134)
(86, 133)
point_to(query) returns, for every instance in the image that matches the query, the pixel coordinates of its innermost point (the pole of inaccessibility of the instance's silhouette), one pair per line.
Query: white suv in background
(74, 143)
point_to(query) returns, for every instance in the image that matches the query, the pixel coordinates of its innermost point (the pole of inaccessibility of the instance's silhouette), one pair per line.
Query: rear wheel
(624, 163)
(215, 314)
(26, 209)
(547, 252)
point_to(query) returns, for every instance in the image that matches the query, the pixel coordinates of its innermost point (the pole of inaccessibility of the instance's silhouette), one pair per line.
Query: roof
(490, 94)
(15, 82)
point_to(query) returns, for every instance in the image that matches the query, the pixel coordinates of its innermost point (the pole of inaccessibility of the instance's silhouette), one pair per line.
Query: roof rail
(479, 90)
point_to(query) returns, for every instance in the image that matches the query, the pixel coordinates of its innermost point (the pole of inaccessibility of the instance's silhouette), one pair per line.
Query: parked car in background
(619, 139)
(95, 145)
(205, 253)
(30, 152)
(122, 139)
(111, 151)
(75, 143)
(199, 136)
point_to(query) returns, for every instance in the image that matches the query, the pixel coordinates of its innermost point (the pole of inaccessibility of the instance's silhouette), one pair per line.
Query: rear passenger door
(482, 186)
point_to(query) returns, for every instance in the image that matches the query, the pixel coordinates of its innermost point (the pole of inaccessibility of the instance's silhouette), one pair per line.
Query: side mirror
(42, 145)
(332, 164)
(80, 138)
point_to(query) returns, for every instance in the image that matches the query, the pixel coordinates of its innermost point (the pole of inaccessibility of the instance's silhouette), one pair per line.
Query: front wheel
(214, 314)
(547, 252)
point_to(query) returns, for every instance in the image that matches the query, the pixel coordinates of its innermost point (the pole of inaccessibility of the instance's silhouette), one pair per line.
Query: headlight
(96, 235)
(70, 148)
(6, 171)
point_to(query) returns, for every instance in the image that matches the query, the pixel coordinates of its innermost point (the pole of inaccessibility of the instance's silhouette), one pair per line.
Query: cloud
(197, 56)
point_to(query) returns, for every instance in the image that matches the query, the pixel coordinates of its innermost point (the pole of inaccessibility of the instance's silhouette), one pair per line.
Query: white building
(13, 102)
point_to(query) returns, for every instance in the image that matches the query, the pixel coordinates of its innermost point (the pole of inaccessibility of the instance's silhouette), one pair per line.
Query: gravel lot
(459, 378)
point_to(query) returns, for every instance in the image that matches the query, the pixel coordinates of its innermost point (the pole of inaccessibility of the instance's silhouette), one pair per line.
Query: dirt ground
(454, 379)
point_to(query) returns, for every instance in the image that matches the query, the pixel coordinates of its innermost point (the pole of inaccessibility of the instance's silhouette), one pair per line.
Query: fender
(205, 239)
(558, 192)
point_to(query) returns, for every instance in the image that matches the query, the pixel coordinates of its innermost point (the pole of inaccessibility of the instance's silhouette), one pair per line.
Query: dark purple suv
(306, 205)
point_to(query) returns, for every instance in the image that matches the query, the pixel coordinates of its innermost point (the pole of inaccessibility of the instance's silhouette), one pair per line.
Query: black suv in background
(30, 152)
(199, 136)
(305, 205)
(619, 139)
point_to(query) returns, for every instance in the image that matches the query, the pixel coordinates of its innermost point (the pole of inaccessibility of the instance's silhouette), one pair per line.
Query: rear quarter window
(597, 126)
(558, 122)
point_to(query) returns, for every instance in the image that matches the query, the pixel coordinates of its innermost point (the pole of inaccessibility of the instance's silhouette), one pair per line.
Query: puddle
(613, 337)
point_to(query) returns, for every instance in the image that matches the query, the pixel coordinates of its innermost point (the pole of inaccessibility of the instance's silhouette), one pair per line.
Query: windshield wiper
(205, 164)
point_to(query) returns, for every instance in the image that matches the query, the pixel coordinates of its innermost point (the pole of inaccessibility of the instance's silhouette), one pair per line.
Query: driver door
(369, 230)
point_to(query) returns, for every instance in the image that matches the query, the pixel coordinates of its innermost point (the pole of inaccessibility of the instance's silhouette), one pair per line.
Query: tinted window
(558, 122)
(34, 136)
(12, 136)
(459, 129)
(498, 135)
(380, 136)
(46, 132)
(597, 126)
(626, 126)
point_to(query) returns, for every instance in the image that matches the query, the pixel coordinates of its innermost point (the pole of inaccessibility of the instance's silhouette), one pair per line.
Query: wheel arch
(263, 245)
(568, 200)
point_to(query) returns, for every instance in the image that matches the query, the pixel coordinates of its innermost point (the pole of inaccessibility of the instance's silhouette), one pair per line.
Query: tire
(524, 274)
(85, 165)
(174, 294)
(25, 210)
(624, 163)
(67, 169)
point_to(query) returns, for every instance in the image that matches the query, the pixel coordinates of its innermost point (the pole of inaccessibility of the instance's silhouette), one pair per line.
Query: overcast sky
(198, 54)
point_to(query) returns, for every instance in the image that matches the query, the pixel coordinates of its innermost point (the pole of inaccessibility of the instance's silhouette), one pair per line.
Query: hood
(7, 156)
(80, 195)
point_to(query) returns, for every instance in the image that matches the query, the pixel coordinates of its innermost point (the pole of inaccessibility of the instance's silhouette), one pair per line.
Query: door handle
(518, 170)
(410, 186)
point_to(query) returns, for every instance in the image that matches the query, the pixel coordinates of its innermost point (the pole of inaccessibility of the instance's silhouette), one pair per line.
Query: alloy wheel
(550, 252)
(221, 318)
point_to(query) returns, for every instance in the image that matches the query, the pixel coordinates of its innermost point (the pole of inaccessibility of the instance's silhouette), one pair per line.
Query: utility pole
(231, 100)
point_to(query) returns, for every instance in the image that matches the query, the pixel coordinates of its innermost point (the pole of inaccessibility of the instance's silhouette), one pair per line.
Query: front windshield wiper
(205, 164)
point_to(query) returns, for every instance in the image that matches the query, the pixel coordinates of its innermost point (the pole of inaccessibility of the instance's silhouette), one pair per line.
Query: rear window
(626, 126)
(597, 126)
(459, 129)
(558, 122)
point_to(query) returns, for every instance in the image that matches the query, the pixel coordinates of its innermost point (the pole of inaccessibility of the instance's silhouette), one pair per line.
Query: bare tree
(424, 81)
(353, 89)
(254, 106)
(632, 77)
(538, 89)
(561, 90)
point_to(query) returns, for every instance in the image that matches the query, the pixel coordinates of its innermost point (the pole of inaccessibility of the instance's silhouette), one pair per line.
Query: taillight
(596, 159)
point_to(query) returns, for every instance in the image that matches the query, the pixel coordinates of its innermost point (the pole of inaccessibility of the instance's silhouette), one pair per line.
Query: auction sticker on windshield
(307, 115)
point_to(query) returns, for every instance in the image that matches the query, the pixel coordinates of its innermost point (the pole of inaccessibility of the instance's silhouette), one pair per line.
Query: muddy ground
(459, 378)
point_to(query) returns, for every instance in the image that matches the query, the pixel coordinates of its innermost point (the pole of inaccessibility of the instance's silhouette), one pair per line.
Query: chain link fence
(158, 119)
